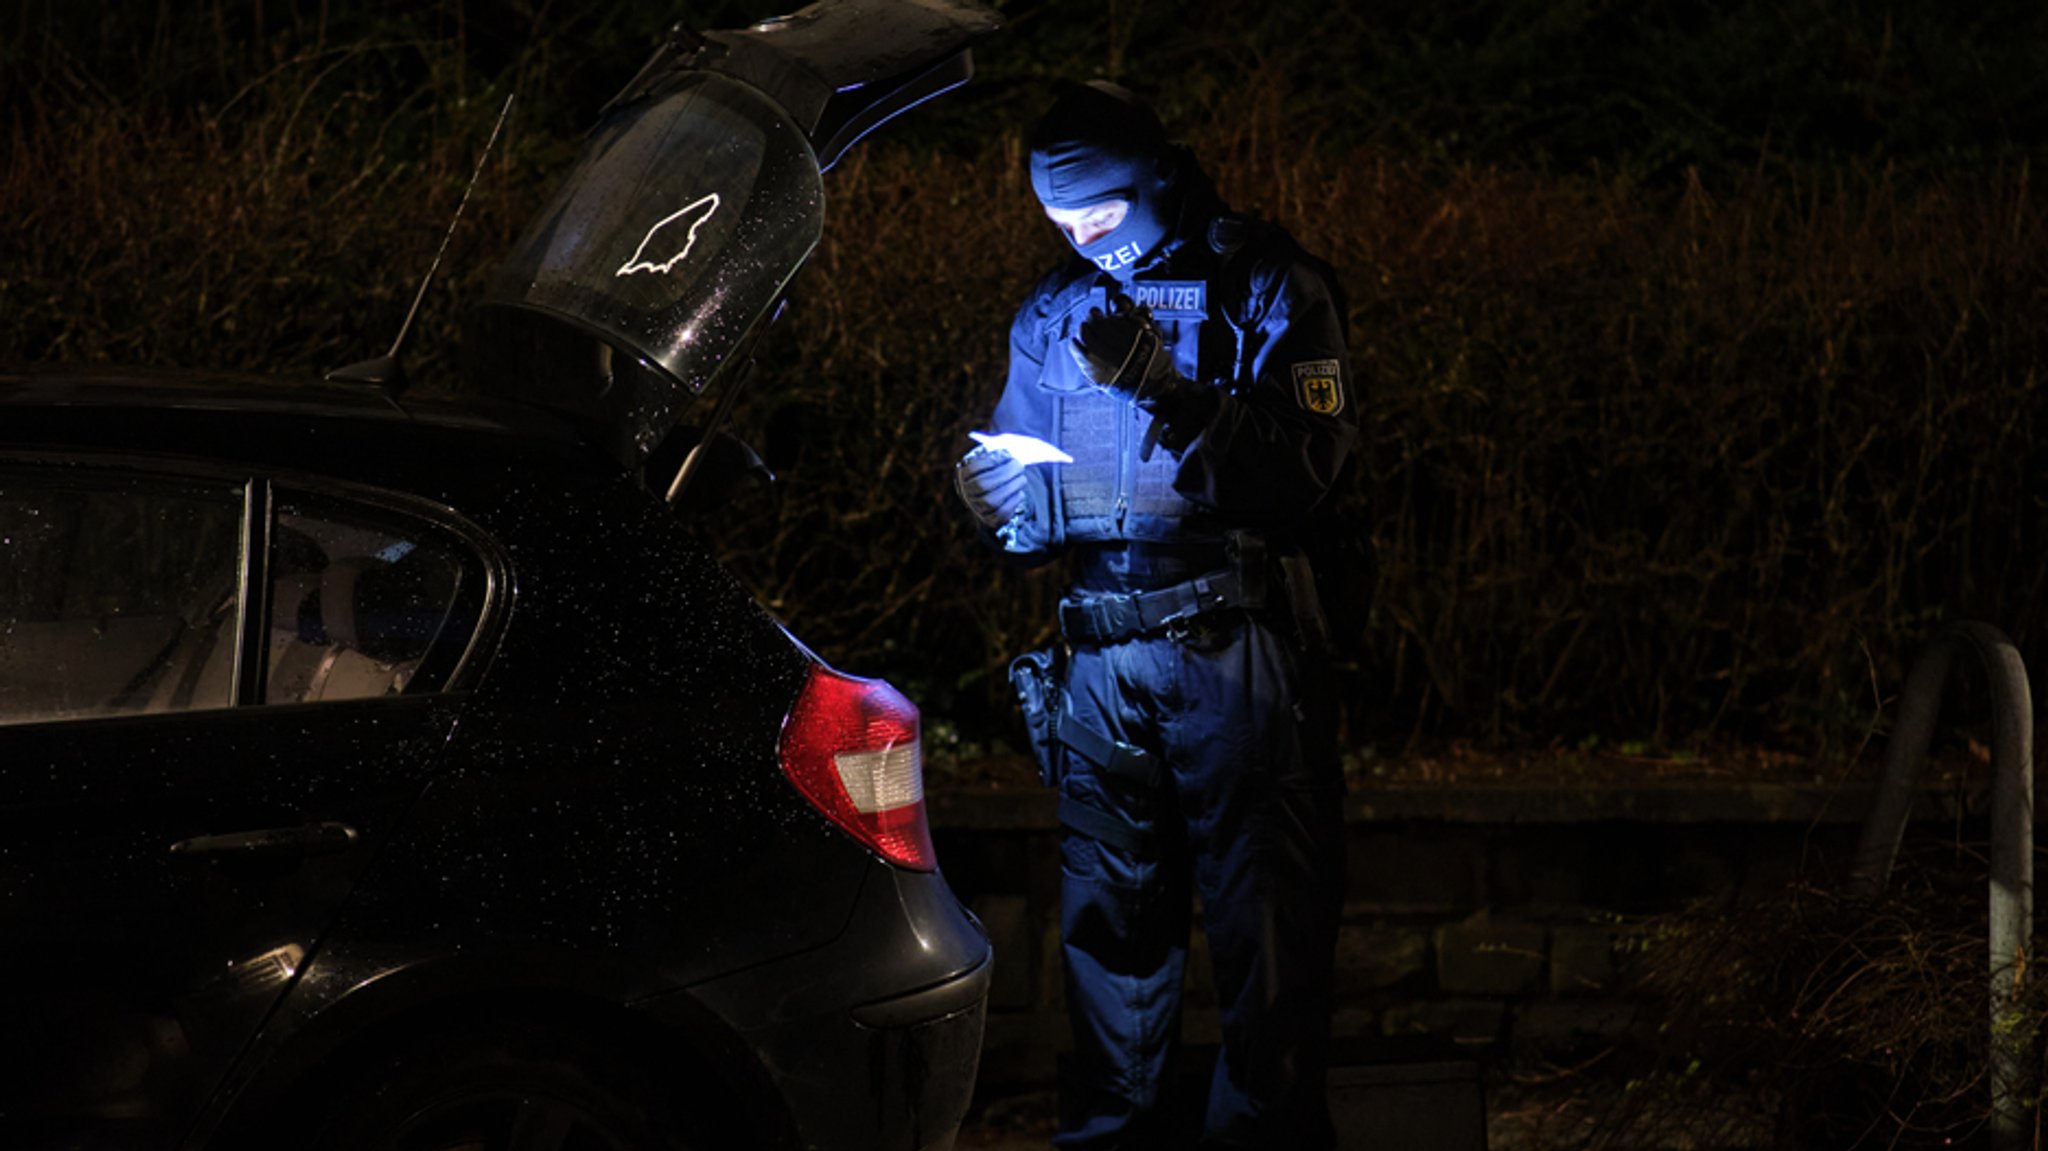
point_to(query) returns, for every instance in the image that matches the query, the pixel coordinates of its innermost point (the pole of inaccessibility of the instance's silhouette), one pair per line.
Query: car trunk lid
(696, 199)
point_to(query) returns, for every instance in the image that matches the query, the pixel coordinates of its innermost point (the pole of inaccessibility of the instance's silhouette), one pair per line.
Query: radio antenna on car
(386, 371)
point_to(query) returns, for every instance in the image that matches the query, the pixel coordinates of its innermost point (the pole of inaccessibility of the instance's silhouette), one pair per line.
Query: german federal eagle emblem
(1319, 386)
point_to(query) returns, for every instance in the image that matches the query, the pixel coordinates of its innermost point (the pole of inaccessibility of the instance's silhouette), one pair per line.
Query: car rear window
(121, 593)
(116, 596)
(358, 598)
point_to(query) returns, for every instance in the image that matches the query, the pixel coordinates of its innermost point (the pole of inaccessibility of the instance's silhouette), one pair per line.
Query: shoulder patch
(1318, 388)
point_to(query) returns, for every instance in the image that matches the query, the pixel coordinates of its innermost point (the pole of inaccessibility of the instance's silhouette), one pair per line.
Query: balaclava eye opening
(1097, 143)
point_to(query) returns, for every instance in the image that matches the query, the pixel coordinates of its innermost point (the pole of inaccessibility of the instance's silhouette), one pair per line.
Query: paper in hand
(1026, 449)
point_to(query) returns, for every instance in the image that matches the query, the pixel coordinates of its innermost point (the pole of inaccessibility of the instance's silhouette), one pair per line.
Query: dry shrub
(1801, 1020)
(1669, 466)
(1653, 461)
(285, 232)
(1662, 464)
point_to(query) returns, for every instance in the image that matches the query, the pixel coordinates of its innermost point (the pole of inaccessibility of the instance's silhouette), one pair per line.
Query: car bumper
(872, 1041)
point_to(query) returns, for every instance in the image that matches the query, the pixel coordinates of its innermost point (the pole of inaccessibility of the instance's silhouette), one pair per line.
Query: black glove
(1179, 413)
(991, 482)
(1121, 350)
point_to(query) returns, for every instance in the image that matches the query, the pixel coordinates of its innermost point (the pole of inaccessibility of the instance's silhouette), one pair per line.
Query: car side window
(119, 594)
(358, 598)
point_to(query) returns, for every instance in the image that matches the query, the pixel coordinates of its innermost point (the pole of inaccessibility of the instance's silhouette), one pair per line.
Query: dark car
(378, 773)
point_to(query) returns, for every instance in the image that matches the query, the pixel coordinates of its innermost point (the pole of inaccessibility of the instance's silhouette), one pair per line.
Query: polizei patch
(1172, 299)
(1317, 386)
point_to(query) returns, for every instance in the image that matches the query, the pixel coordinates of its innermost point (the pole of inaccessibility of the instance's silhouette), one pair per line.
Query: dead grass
(1665, 466)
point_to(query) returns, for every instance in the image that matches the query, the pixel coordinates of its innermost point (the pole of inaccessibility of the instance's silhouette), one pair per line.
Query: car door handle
(312, 839)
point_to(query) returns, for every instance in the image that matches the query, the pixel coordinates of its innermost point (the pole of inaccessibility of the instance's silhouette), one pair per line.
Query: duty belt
(1114, 616)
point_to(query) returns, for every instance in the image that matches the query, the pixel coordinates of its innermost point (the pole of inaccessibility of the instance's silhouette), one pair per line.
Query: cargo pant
(1249, 809)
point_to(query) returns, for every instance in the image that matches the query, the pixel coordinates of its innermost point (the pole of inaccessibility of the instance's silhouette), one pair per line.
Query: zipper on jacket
(1124, 466)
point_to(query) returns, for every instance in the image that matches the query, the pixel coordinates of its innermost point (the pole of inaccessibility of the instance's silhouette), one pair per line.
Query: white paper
(1027, 449)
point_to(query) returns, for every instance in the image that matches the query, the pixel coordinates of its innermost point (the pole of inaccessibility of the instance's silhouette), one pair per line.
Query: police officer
(1191, 362)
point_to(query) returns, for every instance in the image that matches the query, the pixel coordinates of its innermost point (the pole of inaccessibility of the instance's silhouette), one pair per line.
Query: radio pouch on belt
(1034, 676)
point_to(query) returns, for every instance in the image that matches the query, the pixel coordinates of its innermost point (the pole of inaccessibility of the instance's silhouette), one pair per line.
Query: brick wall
(1480, 918)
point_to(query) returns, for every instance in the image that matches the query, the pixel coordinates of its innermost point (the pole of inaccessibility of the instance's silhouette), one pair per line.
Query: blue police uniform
(1183, 749)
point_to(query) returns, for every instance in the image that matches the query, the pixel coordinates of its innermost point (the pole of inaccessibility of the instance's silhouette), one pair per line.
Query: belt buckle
(1179, 626)
(1108, 614)
(1068, 611)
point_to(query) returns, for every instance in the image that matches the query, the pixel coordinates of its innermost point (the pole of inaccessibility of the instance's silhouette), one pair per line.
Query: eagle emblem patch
(1318, 387)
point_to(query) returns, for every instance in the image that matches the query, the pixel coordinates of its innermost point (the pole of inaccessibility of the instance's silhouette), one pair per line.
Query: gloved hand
(991, 483)
(1121, 349)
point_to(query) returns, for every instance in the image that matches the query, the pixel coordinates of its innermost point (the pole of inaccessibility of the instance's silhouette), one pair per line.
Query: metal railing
(2012, 841)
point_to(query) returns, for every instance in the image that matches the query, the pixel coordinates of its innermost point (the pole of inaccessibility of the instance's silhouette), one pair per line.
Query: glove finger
(993, 508)
(977, 500)
(996, 488)
(1080, 356)
(1112, 333)
(1005, 489)
(986, 461)
(1006, 509)
(1005, 471)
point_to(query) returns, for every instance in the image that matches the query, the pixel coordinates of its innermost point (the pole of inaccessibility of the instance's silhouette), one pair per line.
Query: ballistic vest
(1110, 492)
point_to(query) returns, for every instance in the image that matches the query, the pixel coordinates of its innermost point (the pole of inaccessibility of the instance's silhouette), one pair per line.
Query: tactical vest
(1109, 492)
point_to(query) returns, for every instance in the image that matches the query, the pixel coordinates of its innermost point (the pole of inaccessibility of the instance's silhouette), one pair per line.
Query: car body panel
(167, 872)
(842, 68)
(537, 831)
(136, 976)
(578, 810)
(915, 967)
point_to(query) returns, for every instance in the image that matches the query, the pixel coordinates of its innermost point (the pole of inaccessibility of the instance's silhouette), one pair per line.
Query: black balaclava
(1097, 143)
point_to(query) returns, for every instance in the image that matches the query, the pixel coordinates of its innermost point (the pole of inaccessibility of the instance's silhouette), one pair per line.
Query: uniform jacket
(1244, 311)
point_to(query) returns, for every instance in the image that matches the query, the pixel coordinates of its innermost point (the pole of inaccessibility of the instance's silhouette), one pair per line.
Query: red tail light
(851, 746)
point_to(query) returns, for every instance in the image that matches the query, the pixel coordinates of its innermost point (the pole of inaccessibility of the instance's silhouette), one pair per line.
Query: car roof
(112, 388)
(262, 419)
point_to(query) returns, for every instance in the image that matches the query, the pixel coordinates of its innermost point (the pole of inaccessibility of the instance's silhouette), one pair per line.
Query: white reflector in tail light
(851, 747)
